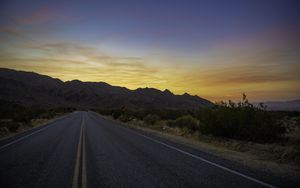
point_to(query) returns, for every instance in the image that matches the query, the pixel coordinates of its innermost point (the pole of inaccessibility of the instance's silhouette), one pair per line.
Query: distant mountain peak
(167, 91)
(186, 95)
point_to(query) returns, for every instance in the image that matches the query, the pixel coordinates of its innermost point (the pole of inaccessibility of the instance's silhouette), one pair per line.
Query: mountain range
(292, 105)
(32, 89)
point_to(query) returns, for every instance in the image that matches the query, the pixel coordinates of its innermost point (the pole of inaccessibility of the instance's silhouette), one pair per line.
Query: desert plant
(12, 126)
(186, 121)
(125, 118)
(116, 114)
(151, 119)
(240, 121)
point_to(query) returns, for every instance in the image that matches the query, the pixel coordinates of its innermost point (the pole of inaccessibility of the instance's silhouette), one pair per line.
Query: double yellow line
(80, 151)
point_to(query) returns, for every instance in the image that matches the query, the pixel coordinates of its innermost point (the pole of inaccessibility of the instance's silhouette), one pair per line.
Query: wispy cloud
(25, 25)
(73, 61)
(40, 15)
(9, 30)
(263, 72)
(223, 74)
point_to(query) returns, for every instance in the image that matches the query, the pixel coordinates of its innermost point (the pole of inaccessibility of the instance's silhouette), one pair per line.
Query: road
(85, 150)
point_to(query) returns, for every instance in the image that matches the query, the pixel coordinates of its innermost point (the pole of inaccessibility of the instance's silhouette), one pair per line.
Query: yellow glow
(262, 76)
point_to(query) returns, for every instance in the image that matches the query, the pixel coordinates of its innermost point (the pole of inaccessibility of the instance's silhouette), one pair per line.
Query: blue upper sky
(167, 24)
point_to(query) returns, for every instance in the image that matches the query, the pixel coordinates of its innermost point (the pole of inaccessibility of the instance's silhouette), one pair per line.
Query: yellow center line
(83, 173)
(77, 163)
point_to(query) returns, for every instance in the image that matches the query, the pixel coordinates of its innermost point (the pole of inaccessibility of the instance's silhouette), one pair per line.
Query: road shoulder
(289, 172)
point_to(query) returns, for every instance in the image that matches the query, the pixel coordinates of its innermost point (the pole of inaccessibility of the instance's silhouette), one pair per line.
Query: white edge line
(26, 136)
(202, 159)
(209, 162)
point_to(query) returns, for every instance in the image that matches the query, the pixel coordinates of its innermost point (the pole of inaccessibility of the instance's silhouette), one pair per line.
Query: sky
(214, 49)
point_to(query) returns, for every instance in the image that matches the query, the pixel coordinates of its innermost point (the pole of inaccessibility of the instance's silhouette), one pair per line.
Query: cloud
(87, 55)
(270, 73)
(9, 30)
(41, 15)
(24, 25)
(70, 61)
(263, 73)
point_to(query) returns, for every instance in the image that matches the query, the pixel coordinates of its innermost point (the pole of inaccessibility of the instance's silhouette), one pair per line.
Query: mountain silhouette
(32, 89)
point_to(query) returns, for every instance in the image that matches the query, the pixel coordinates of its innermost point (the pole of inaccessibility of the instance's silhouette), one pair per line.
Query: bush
(12, 126)
(242, 121)
(116, 114)
(168, 114)
(23, 114)
(125, 118)
(151, 119)
(185, 122)
(139, 114)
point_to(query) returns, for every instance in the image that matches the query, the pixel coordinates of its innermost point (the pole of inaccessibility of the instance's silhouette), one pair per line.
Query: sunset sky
(214, 49)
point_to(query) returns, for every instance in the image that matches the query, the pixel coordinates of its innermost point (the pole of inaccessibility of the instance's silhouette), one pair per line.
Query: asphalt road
(85, 150)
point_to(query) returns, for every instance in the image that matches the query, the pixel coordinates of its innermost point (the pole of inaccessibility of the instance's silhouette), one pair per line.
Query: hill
(32, 89)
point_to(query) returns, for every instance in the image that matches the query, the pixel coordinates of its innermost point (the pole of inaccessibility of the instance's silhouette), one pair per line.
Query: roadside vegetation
(15, 118)
(240, 125)
(241, 121)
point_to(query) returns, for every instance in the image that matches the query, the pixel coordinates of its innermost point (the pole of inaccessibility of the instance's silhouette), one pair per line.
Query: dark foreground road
(85, 150)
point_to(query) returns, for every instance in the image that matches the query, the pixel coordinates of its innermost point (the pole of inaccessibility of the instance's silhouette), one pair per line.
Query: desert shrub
(151, 119)
(12, 126)
(170, 123)
(28, 113)
(240, 121)
(105, 112)
(187, 121)
(24, 114)
(168, 114)
(125, 118)
(139, 113)
(116, 114)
